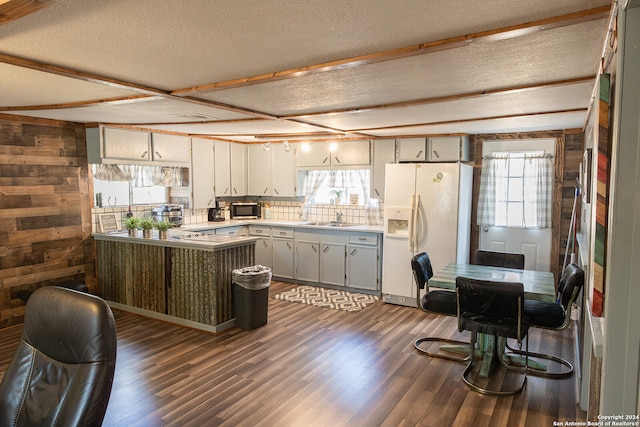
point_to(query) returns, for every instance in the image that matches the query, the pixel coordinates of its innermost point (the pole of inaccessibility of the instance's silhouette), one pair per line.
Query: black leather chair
(499, 259)
(437, 301)
(62, 372)
(555, 316)
(492, 308)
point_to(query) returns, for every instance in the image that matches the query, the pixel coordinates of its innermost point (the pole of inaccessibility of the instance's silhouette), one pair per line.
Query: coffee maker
(216, 214)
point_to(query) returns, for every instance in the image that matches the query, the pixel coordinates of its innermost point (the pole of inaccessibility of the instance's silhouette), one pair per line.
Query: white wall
(619, 393)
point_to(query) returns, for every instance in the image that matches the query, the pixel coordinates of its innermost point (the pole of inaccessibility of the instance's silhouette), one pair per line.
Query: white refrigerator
(427, 209)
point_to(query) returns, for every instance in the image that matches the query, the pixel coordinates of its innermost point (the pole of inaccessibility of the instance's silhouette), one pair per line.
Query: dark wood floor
(313, 366)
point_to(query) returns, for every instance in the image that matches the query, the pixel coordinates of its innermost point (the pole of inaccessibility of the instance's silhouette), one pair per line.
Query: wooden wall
(569, 149)
(45, 212)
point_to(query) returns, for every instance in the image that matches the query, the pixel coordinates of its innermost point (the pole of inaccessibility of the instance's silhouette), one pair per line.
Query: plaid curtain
(494, 175)
(535, 190)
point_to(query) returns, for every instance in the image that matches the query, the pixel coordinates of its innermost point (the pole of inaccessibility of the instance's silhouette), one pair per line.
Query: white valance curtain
(139, 175)
(533, 191)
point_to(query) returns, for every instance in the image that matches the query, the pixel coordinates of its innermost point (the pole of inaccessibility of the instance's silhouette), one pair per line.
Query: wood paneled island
(182, 280)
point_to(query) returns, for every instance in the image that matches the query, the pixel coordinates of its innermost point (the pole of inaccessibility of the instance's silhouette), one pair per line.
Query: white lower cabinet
(332, 267)
(307, 259)
(363, 261)
(282, 252)
(264, 244)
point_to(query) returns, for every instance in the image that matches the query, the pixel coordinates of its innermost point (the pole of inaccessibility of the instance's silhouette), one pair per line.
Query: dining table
(538, 285)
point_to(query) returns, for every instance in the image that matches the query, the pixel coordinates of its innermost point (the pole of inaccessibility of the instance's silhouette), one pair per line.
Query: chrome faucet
(338, 216)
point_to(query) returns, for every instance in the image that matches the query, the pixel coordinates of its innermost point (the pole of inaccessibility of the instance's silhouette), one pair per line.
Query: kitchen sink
(327, 223)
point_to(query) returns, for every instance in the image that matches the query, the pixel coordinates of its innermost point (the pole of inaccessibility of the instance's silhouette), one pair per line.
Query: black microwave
(244, 210)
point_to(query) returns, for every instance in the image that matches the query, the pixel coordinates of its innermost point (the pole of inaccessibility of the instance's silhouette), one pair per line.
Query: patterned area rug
(331, 298)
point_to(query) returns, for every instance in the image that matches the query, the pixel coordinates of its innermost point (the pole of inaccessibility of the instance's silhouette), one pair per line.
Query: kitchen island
(185, 280)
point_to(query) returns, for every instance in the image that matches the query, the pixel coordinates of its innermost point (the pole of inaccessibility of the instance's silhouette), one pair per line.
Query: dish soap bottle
(267, 211)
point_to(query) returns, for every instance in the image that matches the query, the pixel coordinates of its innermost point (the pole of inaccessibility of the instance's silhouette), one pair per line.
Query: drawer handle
(258, 231)
(283, 233)
(362, 239)
(265, 244)
(353, 252)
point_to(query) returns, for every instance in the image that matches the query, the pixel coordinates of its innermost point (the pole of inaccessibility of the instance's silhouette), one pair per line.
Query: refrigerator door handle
(412, 223)
(416, 217)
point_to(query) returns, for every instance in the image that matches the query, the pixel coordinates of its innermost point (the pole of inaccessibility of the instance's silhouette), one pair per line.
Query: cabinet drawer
(239, 230)
(284, 233)
(259, 230)
(363, 238)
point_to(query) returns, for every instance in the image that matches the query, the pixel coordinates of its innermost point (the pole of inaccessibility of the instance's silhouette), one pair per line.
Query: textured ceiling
(91, 61)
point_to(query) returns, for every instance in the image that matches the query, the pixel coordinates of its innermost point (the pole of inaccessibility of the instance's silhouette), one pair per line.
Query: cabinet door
(317, 155)
(448, 149)
(362, 271)
(238, 170)
(332, 263)
(170, 148)
(282, 258)
(307, 261)
(126, 144)
(222, 169)
(283, 172)
(202, 177)
(351, 154)
(258, 171)
(264, 250)
(412, 150)
(384, 152)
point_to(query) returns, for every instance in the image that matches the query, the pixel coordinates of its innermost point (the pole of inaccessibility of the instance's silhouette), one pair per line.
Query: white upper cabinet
(111, 145)
(222, 169)
(202, 175)
(238, 167)
(412, 150)
(283, 172)
(353, 153)
(258, 171)
(170, 148)
(384, 152)
(114, 145)
(270, 173)
(448, 149)
(320, 155)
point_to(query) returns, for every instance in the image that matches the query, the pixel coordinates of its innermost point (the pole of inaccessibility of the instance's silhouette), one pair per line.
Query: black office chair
(492, 308)
(499, 259)
(437, 301)
(62, 372)
(555, 316)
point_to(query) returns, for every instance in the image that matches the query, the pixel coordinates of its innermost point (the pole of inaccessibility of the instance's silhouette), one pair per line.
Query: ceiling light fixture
(306, 146)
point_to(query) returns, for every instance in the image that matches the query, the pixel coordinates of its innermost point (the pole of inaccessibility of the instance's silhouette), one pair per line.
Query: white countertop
(282, 223)
(177, 240)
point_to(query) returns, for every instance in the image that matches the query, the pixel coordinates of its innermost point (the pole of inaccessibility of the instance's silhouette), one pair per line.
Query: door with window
(516, 197)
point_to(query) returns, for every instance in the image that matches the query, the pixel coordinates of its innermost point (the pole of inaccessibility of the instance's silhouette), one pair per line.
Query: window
(329, 187)
(515, 190)
(122, 185)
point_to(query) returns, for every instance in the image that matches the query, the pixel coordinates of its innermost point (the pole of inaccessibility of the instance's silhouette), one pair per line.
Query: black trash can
(251, 296)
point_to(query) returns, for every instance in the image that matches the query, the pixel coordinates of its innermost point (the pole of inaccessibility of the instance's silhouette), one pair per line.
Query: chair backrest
(499, 259)
(422, 270)
(570, 284)
(62, 372)
(490, 300)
